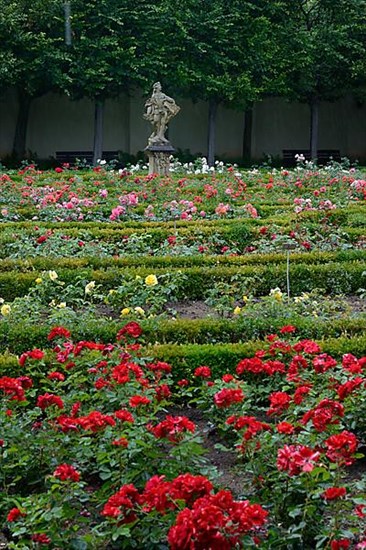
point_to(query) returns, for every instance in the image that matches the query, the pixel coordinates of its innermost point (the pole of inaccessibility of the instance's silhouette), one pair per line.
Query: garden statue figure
(160, 108)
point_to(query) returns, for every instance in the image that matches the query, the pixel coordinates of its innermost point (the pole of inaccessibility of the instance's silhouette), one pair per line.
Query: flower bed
(116, 435)
(92, 457)
(73, 195)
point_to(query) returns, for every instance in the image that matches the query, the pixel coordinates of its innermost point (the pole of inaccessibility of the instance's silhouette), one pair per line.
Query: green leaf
(78, 544)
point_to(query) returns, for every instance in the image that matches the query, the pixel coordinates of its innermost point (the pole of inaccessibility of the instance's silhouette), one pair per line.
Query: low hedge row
(333, 277)
(224, 357)
(242, 231)
(241, 234)
(353, 216)
(221, 358)
(264, 210)
(203, 331)
(166, 262)
(124, 225)
(19, 337)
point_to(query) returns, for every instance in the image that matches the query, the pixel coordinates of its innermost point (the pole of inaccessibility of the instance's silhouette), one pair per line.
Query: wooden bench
(71, 156)
(323, 155)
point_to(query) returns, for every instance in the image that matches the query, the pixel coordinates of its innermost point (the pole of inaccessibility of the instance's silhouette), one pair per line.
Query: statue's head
(157, 87)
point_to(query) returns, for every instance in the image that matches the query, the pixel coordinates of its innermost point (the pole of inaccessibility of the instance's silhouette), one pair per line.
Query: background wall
(58, 124)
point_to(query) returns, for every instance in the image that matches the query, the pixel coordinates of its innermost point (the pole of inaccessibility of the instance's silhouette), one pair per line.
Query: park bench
(323, 155)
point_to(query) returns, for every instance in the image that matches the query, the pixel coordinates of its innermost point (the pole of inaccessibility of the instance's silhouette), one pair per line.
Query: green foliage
(33, 46)
(102, 50)
(17, 336)
(337, 278)
(224, 357)
(146, 296)
(325, 43)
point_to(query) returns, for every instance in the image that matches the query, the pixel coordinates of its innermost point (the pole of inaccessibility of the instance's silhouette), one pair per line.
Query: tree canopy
(231, 52)
(324, 44)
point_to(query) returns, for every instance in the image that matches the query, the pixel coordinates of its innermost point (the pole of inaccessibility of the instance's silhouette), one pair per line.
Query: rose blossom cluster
(209, 520)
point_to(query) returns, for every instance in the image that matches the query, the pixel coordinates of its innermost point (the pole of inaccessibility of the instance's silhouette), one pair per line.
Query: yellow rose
(276, 294)
(5, 309)
(38, 280)
(125, 311)
(62, 305)
(237, 310)
(139, 310)
(89, 287)
(245, 299)
(53, 275)
(151, 280)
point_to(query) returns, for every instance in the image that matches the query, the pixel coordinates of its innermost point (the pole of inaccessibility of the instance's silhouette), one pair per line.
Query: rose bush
(97, 443)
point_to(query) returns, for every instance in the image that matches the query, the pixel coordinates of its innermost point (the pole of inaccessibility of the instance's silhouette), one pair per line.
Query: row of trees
(231, 52)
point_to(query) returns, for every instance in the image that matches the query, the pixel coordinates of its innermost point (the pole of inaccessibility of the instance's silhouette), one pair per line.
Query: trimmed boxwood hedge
(353, 216)
(333, 277)
(224, 357)
(18, 337)
(46, 263)
(264, 210)
(221, 358)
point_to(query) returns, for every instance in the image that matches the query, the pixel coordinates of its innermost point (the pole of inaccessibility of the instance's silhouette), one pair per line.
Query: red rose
(56, 376)
(228, 396)
(137, 400)
(48, 399)
(334, 492)
(42, 239)
(14, 514)
(280, 401)
(121, 442)
(173, 428)
(307, 346)
(36, 354)
(132, 329)
(341, 544)
(285, 428)
(295, 459)
(41, 538)
(122, 504)
(124, 416)
(95, 421)
(66, 472)
(203, 372)
(287, 329)
(58, 331)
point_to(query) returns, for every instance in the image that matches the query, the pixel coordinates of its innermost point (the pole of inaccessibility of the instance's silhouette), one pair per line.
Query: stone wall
(58, 124)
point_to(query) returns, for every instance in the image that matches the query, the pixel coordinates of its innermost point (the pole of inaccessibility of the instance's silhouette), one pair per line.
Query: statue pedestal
(159, 158)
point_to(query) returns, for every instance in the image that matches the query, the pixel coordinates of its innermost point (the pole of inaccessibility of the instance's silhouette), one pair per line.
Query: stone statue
(160, 108)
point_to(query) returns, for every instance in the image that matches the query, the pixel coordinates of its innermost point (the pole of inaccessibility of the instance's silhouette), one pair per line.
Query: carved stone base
(159, 158)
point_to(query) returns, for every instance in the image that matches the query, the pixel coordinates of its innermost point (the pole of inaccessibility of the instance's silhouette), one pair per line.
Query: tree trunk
(314, 129)
(98, 131)
(212, 111)
(128, 125)
(20, 137)
(67, 11)
(247, 134)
